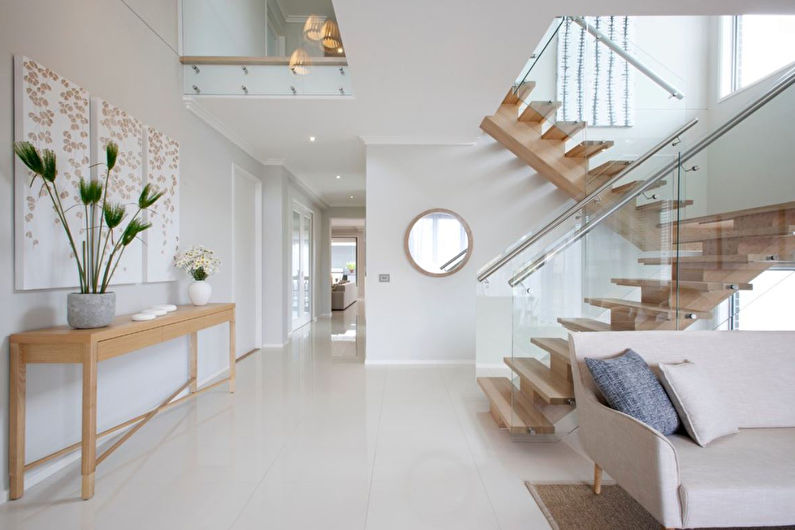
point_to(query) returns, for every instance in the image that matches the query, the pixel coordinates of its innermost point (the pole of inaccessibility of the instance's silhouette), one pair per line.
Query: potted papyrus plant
(104, 238)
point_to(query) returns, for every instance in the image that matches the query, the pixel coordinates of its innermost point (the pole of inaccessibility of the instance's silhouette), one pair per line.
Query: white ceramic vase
(200, 292)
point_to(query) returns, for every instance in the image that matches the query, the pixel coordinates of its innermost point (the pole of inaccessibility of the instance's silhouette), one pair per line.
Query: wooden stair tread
(537, 111)
(629, 185)
(728, 216)
(663, 205)
(765, 231)
(561, 130)
(610, 168)
(711, 259)
(584, 324)
(516, 94)
(588, 148)
(556, 347)
(513, 408)
(619, 303)
(544, 382)
(683, 284)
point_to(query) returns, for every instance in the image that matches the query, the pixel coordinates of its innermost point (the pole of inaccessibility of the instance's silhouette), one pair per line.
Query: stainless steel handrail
(786, 81)
(454, 258)
(628, 57)
(528, 239)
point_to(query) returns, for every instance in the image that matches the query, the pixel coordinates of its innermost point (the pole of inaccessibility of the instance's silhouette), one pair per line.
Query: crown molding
(193, 105)
(301, 19)
(420, 140)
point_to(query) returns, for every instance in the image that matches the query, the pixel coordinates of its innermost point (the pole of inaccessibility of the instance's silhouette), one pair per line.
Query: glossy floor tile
(314, 438)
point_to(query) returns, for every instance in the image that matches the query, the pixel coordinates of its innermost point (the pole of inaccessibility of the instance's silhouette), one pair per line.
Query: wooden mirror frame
(461, 264)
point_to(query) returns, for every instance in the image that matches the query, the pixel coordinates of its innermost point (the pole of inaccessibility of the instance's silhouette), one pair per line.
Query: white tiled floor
(315, 439)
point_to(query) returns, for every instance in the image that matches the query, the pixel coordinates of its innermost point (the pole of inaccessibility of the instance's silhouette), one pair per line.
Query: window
(343, 259)
(753, 47)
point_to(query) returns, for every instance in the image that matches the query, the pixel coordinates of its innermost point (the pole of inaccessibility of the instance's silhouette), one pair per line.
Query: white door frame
(302, 210)
(239, 171)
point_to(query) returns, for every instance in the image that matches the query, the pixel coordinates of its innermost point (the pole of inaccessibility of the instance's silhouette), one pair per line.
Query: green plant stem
(56, 202)
(108, 272)
(87, 257)
(101, 220)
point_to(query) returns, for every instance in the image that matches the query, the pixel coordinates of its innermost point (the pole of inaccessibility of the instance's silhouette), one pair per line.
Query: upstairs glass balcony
(267, 48)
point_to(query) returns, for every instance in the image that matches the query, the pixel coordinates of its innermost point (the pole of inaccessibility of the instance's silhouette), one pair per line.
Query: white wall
(752, 164)
(416, 317)
(220, 27)
(138, 70)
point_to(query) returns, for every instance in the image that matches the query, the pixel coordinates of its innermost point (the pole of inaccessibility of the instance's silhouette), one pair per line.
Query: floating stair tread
(610, 168)
(588, 148)
(523, 415)
(684, 284)
(561, 130)
(549, 386)
(584, 324)
(517, 93)
(728, 216)
(711, 259)
(629, 185)
(619, 303)
(766, 231)
(537, 111)
(556, 347)
(663, 205)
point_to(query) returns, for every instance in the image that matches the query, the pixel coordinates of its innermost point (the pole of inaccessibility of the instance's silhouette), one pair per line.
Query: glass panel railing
(737, 234)
(262, 49)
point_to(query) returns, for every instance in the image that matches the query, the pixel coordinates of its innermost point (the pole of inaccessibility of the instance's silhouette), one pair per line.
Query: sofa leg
(597, 479)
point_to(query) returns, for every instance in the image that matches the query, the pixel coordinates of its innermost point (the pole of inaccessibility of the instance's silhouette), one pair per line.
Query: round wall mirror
(438, 242)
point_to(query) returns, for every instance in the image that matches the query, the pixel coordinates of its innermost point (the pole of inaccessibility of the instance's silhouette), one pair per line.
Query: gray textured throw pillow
(629, 386)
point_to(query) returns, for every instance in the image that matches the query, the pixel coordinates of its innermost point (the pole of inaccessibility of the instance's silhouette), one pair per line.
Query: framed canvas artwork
(162, 240)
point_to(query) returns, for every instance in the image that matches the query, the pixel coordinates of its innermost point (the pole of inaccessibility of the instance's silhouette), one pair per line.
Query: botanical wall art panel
(52, 113)
(162, 240)
(110, 123)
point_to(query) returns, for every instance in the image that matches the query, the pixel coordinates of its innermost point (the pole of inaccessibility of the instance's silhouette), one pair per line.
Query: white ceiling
(422, 72)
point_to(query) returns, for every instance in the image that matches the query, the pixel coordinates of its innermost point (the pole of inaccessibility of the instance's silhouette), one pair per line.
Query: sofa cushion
(743, 480)
(629, 386)
(703, 409)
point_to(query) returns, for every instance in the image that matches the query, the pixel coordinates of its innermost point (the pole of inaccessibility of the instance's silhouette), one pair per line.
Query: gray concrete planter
(84, 311)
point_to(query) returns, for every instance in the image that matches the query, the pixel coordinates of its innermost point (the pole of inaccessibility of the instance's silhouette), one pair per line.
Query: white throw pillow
(705, 412)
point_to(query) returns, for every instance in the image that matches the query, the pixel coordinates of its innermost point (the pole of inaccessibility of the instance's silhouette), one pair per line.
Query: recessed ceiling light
(312, 138)
(339, 177)
(350, 197)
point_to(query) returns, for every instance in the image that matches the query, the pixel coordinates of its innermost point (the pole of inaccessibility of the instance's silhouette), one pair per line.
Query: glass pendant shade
(331, 35)
(299, 62)
(313, 28)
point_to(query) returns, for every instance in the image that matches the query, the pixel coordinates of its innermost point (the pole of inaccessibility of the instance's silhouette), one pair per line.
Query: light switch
(383, 278)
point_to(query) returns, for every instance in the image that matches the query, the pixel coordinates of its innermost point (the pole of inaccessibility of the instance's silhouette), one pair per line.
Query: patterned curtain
(595, 84)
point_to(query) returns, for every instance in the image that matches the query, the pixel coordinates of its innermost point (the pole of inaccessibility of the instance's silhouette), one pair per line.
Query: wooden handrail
(262, 61)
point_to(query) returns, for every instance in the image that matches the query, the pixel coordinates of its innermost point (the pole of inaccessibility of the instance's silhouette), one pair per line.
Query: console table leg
(16, 426)
(89, 442)
(232, 356)
(193, 360)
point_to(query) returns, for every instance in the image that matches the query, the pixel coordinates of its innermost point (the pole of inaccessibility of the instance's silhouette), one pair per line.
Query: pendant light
(331, 35)
(313, 28)
(299, 62)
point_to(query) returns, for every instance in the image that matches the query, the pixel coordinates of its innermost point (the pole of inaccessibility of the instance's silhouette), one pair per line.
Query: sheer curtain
(594, 84)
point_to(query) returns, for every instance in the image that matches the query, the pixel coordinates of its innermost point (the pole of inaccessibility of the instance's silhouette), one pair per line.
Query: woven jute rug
(575, 507)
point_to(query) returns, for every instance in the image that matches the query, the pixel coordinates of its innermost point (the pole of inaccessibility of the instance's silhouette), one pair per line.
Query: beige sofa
(744, 479)
(343, 295)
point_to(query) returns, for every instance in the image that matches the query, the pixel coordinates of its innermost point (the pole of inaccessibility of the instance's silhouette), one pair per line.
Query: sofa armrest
(638, 457)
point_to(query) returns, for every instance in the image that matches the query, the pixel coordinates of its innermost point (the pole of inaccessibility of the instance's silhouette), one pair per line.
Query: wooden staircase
(719, 255)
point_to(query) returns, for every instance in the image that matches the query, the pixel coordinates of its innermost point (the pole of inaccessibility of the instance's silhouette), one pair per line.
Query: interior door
(247, 261)
(301, 269)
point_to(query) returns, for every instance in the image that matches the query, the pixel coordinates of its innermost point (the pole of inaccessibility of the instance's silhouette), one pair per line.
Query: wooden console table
(63, 345)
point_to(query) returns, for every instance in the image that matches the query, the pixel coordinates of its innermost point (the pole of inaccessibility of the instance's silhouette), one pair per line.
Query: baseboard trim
(273, 346)
(419, 362)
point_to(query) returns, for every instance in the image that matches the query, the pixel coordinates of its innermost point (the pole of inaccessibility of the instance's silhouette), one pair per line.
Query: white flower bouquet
(198, 261)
